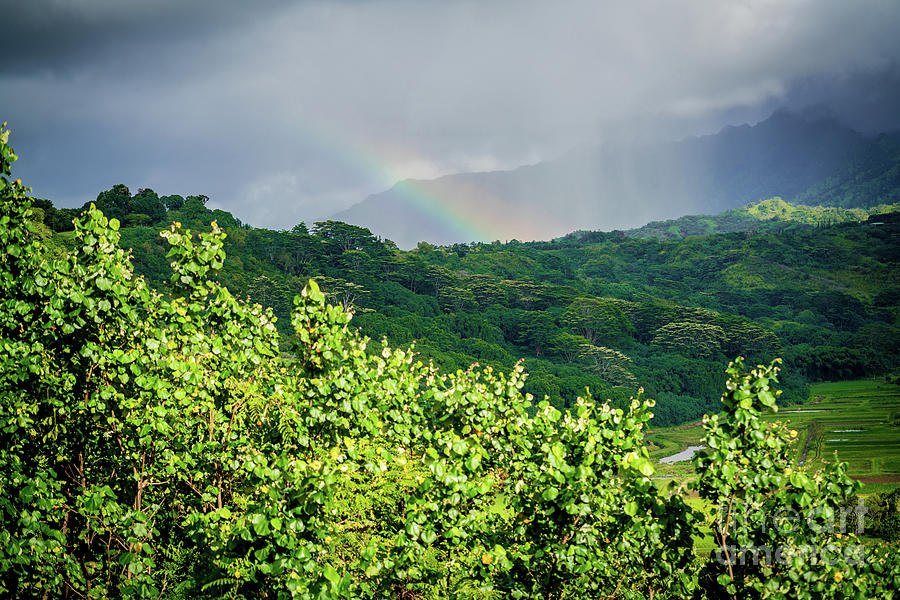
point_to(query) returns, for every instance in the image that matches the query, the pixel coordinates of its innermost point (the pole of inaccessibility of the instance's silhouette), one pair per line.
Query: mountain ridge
(614, 186)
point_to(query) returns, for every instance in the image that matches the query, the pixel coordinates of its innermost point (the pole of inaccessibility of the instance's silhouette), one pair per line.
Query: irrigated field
(859, 420)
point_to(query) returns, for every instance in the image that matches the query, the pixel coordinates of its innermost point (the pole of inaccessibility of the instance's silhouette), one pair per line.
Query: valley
(855, 420)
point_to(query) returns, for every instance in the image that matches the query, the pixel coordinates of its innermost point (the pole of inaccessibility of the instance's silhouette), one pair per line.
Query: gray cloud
(295, 110)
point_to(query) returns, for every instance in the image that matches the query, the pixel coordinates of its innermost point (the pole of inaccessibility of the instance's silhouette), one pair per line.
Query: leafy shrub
(883, 516)
(780, 532)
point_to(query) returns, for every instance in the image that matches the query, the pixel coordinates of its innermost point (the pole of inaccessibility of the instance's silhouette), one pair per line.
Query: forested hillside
(609, 311)
(773, 216)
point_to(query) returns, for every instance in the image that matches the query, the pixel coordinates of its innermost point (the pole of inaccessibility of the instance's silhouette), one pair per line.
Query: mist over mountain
(623, 185)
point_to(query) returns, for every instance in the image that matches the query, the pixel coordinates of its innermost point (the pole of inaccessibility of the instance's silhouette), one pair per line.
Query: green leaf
(428, 536)
(260, 524)
(331, 574)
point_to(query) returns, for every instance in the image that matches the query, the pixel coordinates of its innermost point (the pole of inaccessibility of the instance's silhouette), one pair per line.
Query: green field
(859, 420)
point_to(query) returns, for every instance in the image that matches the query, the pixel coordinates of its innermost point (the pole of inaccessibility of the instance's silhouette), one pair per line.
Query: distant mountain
(870, 177)
(796, 156)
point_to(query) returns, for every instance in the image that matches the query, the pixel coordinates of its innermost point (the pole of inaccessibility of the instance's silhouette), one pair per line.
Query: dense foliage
(157, 445)
(780, 532)
(883, 515)
(597, 310)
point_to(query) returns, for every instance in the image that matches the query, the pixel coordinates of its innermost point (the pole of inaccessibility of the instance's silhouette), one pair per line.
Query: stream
(685, 454)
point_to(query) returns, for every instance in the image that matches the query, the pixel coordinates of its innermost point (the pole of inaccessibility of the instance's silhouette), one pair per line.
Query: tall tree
(611, 365)
(537, 330)
(344, 237)
(597, 319)
(173, 202)
(116, 202)
(146, 202)
(691, 339)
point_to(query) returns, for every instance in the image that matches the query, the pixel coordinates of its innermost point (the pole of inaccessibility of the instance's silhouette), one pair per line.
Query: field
(859, 421)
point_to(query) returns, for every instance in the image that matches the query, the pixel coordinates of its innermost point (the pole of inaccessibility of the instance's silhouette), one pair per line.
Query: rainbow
(468, 225)
(472, 213)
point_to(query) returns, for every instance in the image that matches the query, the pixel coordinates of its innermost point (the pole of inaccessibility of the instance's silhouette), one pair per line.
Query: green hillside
(768, 215)
(871, 177)
(606, 311)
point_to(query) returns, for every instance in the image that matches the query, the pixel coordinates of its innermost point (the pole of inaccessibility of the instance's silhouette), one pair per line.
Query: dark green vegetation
(155, 444)
(609, 311)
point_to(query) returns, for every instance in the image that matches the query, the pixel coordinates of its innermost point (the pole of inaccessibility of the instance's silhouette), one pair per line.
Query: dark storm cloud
(61, 35)
(293, 110)
(868, 99)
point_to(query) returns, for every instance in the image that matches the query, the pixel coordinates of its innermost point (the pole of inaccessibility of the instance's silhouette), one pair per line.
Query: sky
(284, 111)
